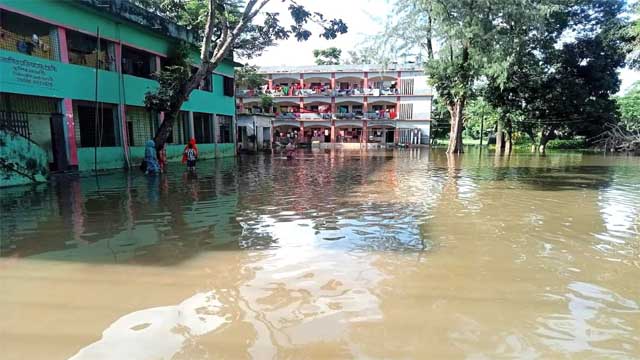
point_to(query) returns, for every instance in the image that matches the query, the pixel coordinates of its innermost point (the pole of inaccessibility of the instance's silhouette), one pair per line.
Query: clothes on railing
(296, 90)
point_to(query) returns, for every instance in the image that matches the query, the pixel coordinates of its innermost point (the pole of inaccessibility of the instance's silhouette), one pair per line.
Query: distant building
(49, 51)
(352, 105)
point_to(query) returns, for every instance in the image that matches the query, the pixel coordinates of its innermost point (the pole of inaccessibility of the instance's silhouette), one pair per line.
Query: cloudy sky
(364, 17)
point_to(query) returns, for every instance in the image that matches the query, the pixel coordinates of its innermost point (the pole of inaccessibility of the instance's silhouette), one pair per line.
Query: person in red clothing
(190, 154)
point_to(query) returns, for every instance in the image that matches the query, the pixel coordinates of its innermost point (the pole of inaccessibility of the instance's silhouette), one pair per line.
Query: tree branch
(206, 44)
(230, 37)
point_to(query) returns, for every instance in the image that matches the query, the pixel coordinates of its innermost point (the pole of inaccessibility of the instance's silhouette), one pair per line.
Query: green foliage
(257, 36)
(578, 143)
(328, 56)
(266, 103)
(248, 77)
(440, 120)
(629, 105)
(477, 110)
(172, 77)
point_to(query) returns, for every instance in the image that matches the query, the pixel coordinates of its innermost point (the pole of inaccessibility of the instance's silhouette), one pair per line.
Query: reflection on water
(379, 254)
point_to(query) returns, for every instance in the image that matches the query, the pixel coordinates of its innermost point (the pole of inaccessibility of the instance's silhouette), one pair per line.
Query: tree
(544, 88)
(248, 77)
(479, 114)
(629, 105)
(328, 56)
(266, 103)
(228, 26)
(634, 34)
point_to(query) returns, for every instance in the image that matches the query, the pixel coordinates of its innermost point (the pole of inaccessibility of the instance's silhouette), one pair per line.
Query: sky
(363, 17)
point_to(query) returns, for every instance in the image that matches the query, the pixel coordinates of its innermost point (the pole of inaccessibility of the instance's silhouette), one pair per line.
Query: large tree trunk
(430, 32)
(509, 143)
(545, 136)
(456, 109)
(171, 114)
(499, 138)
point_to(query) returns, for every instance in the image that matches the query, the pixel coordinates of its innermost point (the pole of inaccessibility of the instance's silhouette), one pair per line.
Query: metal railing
(358, 115)
(16, 122)
(319, 92)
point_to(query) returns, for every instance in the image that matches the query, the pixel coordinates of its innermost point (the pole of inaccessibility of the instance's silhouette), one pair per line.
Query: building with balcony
(351, 105)
(50, 51)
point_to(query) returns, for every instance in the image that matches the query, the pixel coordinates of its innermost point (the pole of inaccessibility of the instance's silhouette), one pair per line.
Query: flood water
(378, 254)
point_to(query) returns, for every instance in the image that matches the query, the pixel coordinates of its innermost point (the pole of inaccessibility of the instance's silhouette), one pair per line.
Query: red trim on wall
(72, 149)
(62, 42)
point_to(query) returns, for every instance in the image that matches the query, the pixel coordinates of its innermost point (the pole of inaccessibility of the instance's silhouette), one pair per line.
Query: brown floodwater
(346, 254)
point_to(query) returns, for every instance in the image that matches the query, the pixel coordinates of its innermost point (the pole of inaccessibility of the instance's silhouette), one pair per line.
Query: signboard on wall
(26, 73)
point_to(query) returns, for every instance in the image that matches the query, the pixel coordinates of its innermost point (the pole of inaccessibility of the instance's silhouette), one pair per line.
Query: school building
(348, 106)
(50, 51)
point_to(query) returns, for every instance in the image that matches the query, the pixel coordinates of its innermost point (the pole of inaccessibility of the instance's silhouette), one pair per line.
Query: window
(89, 137)
(202, 128)
(137, 62)
(224, 128)
(180, 133)
(26, 35)
(205, 84)
(406, 111)
(406, 86)
(139, 125)
(83, 49)
(227, 86)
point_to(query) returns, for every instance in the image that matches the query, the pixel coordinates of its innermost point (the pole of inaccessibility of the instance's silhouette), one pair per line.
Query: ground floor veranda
(80, 135)
(358, 132)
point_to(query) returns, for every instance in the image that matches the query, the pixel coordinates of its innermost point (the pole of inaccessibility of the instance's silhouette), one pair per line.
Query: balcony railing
(358, 115)
(319, 92)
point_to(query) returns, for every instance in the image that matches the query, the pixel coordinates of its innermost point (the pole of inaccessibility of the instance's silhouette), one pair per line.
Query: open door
(58, 144)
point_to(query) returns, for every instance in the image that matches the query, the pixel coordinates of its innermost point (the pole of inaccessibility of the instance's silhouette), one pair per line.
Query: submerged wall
(21, 161)
(113, 157)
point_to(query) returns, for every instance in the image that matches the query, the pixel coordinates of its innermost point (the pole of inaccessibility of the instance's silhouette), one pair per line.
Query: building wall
(36, 77)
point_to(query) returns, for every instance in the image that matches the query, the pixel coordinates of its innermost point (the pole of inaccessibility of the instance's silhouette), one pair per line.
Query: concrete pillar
(301, 81)
(216, 128)
(301, 104)
(333, 81)
(396, 135)
(365, 83)
(365, 132)
(301, 134)
(190, 125)
(333, 132)
(66, 106)
(365, 105)
(270, 83)
(333, 104)
(240, 105)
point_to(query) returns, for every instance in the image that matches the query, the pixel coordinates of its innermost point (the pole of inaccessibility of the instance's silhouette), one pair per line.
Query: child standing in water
(190, 155)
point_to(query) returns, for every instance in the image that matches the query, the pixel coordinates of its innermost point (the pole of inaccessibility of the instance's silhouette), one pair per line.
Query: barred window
(224, 128)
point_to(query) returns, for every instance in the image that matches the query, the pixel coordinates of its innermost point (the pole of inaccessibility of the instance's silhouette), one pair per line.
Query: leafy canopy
(328, 56)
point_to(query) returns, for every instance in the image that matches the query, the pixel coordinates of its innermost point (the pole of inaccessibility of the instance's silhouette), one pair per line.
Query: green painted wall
(23, 74)
(113, 157)
(77, 17)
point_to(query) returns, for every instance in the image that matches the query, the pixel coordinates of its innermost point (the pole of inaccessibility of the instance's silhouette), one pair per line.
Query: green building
(49, 53)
